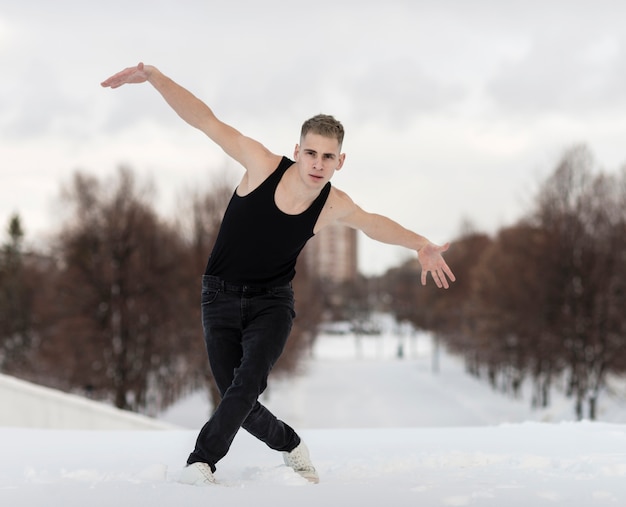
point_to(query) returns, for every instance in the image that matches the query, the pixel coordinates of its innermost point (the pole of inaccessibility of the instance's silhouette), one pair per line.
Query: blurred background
(497, 126)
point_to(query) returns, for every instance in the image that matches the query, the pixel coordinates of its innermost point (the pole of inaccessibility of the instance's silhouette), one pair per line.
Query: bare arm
(385, 230)
(248, 152)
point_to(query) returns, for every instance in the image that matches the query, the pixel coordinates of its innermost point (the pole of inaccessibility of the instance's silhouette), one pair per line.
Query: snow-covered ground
(380, 430)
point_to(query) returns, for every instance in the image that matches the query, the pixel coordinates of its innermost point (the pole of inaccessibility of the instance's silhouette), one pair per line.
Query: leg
(221, 322)
(269, 324)
(241, 359)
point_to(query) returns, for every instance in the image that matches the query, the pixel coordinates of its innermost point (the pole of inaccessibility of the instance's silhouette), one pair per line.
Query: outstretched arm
(246, 151)
(385, 230)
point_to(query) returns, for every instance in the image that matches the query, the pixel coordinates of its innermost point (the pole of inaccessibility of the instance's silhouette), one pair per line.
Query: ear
(296, 152)
(342, 159)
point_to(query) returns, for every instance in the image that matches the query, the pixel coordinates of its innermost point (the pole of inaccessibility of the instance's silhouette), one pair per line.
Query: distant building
(332, 254)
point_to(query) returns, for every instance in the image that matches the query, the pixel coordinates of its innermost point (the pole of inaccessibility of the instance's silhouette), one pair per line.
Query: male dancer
(247, 297)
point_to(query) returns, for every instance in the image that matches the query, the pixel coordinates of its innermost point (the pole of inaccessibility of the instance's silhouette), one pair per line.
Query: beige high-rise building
(332, 254)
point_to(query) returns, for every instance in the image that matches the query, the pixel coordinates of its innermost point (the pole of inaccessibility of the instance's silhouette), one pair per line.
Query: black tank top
(257, 243)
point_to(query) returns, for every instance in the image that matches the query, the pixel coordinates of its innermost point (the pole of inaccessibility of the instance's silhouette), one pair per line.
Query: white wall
(27, 405)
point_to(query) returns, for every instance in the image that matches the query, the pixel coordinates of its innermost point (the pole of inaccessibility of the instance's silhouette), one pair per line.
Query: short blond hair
(324, 125)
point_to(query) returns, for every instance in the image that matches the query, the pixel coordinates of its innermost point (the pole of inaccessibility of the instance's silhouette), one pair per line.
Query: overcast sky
(454, 110)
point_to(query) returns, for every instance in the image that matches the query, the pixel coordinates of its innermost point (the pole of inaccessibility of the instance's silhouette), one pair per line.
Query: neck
(292, 195)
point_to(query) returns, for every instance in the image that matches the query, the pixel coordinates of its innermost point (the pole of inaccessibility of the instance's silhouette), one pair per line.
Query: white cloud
(456, 105)
(562, 75)
(398, 91)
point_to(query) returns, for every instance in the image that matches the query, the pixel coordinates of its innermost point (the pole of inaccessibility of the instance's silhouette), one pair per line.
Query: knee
(251, 380)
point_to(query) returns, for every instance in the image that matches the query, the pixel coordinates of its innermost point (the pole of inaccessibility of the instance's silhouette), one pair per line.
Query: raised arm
(248, 152)
(385, 230)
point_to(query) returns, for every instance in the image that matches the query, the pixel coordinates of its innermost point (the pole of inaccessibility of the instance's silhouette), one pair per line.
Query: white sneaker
(197, 474)
(300, 461)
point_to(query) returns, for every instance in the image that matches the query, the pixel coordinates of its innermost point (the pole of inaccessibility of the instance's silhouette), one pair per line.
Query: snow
(35, 406)
(380, 430)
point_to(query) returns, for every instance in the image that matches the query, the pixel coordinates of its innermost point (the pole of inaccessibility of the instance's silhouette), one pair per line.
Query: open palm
(431, 261)
(130, 75)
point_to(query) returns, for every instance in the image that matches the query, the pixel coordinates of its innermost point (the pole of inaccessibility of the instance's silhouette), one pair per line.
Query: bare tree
(546, 296)
(581, 212)
(119, 330)
(513, 311)
(603, 215)
(427, 308)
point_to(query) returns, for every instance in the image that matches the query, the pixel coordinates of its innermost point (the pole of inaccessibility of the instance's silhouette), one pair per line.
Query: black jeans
(245, 330)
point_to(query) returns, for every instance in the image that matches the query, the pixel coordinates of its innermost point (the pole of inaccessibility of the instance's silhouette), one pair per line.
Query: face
(318, 158)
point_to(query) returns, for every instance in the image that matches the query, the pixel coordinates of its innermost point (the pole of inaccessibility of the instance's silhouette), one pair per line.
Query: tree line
(111, 309)
(545, 298)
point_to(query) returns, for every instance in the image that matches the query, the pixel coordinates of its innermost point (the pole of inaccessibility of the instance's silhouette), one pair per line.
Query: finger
(117, 80)
(112, 81)
(449, 272)
(424, 272)
(435, 276)
(106, 82)
(444, 280)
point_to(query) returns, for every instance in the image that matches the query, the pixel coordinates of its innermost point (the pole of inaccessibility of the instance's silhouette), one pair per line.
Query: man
(247, 298)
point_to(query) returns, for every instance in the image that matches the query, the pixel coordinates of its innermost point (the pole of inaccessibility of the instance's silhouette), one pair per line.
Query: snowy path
(364, 385)
(382, 431)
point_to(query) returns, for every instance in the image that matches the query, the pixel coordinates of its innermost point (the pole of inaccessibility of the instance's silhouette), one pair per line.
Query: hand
(431, 260)
(138, 74)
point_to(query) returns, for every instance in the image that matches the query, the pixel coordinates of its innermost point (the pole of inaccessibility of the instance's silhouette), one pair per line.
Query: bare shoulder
(258, 168)
(339, 205)
(255, 157)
